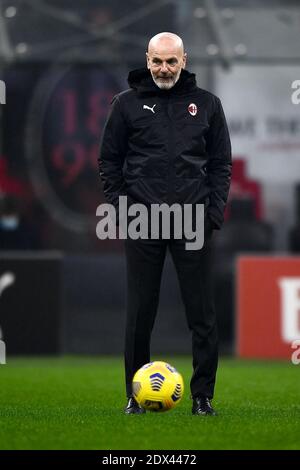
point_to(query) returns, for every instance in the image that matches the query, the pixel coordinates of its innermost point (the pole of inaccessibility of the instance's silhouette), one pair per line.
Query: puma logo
(148, 107)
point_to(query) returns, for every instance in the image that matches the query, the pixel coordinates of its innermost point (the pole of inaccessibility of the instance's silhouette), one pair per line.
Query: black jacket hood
(142, 81)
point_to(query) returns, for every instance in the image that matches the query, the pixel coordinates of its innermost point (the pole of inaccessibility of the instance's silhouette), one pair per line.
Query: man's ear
(147, 59)
(184, 60)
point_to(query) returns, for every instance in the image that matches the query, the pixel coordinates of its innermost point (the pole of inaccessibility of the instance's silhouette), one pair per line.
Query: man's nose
(164, 67)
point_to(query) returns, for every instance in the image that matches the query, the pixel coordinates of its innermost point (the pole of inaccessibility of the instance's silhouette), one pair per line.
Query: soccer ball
(157, 386)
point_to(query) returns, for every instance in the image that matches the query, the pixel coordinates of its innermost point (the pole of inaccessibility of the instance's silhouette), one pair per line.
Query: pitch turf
(76, 403)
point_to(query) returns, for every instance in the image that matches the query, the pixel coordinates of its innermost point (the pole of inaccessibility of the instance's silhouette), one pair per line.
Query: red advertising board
(268, 306)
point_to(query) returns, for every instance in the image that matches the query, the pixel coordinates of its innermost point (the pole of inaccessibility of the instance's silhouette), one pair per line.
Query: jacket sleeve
(113, 149)
(219, 165)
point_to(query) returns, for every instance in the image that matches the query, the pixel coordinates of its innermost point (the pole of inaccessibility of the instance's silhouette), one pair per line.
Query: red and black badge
(193, 109)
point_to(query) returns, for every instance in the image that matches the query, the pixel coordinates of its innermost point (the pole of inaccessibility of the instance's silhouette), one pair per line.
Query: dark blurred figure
(15, 232)
(243, 233)
(294, 235)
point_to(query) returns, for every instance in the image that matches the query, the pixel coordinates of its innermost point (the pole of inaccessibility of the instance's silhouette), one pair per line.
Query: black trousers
(145, 260)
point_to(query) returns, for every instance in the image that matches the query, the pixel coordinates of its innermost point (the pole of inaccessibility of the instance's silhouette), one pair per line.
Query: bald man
(165, 59)
(166, 141)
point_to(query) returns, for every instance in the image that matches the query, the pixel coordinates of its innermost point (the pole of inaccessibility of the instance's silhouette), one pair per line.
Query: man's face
(165, 63)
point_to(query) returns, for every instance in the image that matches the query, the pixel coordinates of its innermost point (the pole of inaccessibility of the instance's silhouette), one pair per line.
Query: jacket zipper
(171, 167)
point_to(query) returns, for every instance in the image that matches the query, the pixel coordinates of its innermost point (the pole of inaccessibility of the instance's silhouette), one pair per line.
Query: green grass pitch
(77, 403)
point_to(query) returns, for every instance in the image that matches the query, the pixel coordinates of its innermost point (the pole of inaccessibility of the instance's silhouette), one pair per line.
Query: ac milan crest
(193, 109)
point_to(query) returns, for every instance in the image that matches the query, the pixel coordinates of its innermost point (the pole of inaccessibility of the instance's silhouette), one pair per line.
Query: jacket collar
(142, 81)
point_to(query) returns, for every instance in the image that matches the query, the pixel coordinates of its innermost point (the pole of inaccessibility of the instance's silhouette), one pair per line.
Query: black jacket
(173, 152)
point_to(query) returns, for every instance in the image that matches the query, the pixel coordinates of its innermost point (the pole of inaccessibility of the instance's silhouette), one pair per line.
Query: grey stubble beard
(169, 85)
